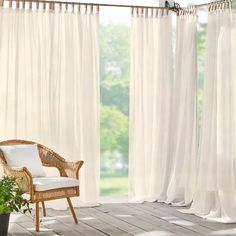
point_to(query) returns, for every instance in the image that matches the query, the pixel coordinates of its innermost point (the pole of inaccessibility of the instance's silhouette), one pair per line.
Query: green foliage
(114, 90)
(114, 130)
(114, 50)
(234, 4)
(115, 93)
(114, 66)
(11, 198)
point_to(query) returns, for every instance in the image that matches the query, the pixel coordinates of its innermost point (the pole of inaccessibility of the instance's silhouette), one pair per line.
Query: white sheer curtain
(216, 193)
(183, 145)
(150, 105)
(49, 85)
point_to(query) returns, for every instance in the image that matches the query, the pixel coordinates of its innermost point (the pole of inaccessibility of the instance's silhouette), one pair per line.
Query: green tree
(114, 130)
(114, 51)
(114, 88)
(114, 66)
(115, 93)
(114, 142)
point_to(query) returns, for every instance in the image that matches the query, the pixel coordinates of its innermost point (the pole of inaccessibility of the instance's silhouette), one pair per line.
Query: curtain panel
(49, 85)
(183, 143)
(150, 106)
(162, 159)
(215, 190)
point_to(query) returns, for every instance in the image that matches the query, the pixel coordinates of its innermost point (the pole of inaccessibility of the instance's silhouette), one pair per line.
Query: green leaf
(11, 196)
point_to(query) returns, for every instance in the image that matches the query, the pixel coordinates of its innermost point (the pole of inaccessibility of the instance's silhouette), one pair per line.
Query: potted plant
(11, 199)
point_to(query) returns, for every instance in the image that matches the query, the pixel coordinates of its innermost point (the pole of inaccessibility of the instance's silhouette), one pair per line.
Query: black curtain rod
(176, 7)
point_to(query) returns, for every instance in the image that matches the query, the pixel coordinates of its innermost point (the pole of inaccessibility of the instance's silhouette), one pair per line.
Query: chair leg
(72, 210)
(37, 217)
(44, 209)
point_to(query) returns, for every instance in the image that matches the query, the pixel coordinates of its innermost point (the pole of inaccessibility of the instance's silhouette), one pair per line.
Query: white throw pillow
(24, 156)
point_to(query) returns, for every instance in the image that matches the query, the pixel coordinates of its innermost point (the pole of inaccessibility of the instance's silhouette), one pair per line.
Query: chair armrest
(23, 178)
(71, 169)
(52, 159)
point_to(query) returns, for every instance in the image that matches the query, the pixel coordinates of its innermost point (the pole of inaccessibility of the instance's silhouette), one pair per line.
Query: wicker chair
(50, 159)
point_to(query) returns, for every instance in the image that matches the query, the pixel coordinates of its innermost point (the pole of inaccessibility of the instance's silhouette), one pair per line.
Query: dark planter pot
(4, 223)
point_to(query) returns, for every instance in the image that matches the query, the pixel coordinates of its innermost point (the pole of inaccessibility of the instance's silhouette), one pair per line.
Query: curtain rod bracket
(175, 8)
(167, 4)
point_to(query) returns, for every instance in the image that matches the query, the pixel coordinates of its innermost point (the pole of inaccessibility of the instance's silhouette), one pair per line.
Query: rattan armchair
(50, 159)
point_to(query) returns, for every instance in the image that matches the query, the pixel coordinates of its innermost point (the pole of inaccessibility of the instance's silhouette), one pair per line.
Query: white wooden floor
(123, 219)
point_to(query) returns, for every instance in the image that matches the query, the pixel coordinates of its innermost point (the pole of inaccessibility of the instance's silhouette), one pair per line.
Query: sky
(122, 15)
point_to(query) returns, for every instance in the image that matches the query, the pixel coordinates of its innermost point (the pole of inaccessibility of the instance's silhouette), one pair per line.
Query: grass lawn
(114, 186)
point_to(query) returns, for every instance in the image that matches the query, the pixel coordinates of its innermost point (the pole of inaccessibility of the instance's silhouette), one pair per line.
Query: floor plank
(120, 219)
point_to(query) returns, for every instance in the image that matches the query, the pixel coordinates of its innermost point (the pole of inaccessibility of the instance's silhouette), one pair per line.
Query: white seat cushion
(24, 156)
(53, 182)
